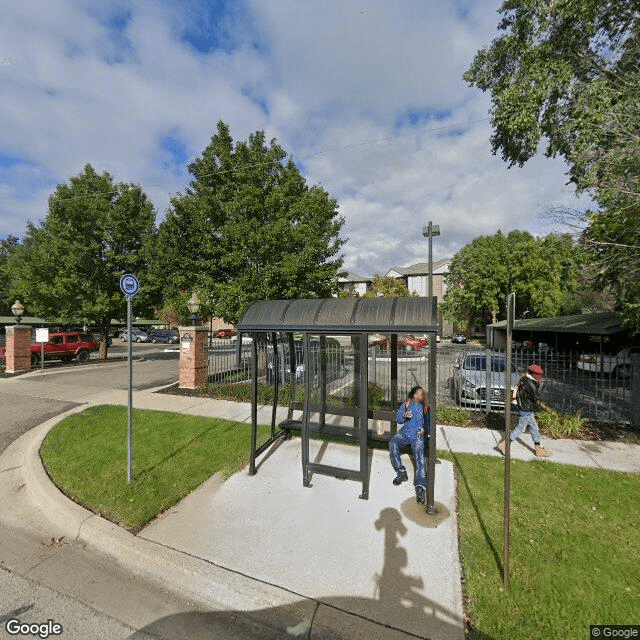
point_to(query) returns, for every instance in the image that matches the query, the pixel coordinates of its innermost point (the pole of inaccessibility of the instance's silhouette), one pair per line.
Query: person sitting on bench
(414, 421)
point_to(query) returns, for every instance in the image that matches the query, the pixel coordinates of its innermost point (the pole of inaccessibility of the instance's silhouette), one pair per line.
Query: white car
(245, 339)
(136, 336)
(618, 364)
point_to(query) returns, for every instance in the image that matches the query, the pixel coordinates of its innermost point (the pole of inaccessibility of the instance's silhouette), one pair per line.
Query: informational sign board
(42, 334)
(187, 339)
(129, 284)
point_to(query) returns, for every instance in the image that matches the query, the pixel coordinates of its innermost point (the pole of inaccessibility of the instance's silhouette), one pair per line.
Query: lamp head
(17, 309)
(435, 230)
(194, 304)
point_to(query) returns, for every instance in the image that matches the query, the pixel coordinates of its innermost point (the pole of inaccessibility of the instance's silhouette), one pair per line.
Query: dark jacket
(420, 419)
(528, 394)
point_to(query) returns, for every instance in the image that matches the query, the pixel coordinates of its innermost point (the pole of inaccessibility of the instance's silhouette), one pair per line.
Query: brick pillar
(193, 366)
(18, 348)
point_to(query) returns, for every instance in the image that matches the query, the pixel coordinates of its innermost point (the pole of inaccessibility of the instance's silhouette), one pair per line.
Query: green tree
(543, 272)
(69, 265)
(247, 228)
(565, 72)
(8, 247)
(388, 287)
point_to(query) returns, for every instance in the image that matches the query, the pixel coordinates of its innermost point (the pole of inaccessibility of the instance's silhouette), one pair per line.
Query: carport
(274, 323)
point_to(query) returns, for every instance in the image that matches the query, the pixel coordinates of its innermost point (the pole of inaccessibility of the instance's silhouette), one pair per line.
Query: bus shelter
(280, 327)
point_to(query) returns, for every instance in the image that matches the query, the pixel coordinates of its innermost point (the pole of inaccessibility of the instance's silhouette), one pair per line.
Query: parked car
(245, 339)
(65, 347)
(618, 364)
(413, 343)
(378, 340)
(470, 379)
(97, 336)
(136, 336)
(224, 333)
(165, 336)
(335, 362)
(459, 339)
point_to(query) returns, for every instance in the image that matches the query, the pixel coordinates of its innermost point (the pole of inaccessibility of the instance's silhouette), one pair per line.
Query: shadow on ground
(330, 618)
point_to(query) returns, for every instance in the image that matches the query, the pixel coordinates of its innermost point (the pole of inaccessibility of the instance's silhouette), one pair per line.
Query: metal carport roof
(597, 324)
(342, 315)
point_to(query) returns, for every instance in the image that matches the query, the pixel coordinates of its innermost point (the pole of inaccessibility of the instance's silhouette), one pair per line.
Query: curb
(42, 508)
(91, 366)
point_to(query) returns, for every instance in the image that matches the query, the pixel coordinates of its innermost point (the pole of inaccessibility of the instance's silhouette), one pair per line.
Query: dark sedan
(459, 339)
(167, 337)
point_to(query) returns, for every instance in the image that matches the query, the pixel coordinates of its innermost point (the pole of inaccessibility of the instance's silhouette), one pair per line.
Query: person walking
(414, 421)
(528, 394)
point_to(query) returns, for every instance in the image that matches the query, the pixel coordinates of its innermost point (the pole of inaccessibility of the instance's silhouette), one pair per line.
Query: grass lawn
(575, 548)
(86, 456)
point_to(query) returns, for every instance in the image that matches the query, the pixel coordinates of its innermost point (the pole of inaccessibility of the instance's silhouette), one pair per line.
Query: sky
(136, 87)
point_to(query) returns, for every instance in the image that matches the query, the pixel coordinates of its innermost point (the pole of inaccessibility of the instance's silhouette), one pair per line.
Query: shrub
(453, 415)
(376, 396)
(557, 424)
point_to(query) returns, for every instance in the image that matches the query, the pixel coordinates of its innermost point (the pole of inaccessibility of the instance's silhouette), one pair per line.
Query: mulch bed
(592, 430)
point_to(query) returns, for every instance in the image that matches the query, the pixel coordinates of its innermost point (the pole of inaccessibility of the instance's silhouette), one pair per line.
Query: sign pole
(130, 392)
(42, 357)
(129, 285)
(511, 310)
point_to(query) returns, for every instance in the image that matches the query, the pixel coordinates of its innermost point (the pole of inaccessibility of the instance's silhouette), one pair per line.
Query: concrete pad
(383, 559)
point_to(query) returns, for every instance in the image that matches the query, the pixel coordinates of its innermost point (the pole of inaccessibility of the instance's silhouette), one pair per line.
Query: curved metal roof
(342, 315)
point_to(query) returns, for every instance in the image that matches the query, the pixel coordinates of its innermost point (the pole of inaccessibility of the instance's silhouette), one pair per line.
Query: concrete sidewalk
(615, 456)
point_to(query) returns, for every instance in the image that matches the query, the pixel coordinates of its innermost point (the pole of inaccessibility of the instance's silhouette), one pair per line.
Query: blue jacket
(420, 419)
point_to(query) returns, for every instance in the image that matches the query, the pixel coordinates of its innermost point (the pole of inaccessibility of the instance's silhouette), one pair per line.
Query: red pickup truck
(63, 346)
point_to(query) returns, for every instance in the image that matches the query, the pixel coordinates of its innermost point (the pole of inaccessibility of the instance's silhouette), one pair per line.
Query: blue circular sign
(129, 284)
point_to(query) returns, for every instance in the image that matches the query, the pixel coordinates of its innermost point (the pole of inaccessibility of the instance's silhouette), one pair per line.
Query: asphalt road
(26, 401)
(41, 580)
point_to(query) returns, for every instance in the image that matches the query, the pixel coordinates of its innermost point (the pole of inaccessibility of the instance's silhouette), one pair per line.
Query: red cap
(536, 370)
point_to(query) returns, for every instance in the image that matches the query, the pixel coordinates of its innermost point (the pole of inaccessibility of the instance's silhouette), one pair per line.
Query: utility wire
(345, 147)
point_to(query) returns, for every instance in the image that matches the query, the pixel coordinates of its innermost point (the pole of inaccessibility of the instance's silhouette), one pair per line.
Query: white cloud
(329, 73)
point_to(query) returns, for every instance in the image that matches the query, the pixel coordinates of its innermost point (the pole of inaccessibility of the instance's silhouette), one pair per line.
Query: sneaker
(420, 494)
(501, 447)
(541, 452)
(400, 478)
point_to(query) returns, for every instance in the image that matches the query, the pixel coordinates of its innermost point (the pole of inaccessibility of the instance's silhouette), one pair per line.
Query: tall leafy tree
(565, 72)
(247, 228)
(69, 265)
(388, 287)
(8, 247)
(543, 272)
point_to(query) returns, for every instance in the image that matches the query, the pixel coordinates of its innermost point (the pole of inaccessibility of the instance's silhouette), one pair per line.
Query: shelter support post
(292, 375)
(276, 382)
(322, 380)
(363, 383)
(306, 475)
(254, 404)
(394, 377)
(431, 454)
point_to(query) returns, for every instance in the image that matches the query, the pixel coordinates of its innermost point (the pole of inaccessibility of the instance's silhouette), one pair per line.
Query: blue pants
(527, 419)
(417, 444)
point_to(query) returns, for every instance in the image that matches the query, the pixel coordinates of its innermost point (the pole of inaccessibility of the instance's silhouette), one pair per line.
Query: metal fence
(597, 386)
